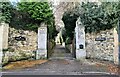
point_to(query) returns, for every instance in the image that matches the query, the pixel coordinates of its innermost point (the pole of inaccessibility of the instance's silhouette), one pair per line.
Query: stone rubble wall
(16, 56)
(103, 50)
(18, 50)
(30, 44)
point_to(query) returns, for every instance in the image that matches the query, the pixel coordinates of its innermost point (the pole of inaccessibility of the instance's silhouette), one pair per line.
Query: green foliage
(38, 11)
(100, 17)
(68, 40)
(52, 31)
(21, 20)
(93, 16)
(5, 12)
(69, 19)
(51, 45)
(29, 16)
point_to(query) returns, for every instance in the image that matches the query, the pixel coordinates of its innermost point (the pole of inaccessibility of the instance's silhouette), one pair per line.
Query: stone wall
(30, 43)
(102, 50)
(19, 50)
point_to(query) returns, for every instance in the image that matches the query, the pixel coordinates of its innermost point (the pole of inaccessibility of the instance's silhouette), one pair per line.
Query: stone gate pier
(1, 38)
(4, 29)
(80, 40)
(42, 43)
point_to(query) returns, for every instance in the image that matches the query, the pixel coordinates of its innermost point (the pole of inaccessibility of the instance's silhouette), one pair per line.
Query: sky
(14, 0)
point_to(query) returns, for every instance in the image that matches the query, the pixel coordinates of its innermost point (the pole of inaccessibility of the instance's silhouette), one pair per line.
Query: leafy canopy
(69, 18)
(28, 16)
(38, 11)
(95, 17)
(35, 13)
(100, 17)
(5, 12)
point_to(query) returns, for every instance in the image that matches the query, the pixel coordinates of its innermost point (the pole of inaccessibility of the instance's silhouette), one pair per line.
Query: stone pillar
(42, 43)
(5, 36)
(116, 50)
(117, 44)
(80, 40)
(1, 42)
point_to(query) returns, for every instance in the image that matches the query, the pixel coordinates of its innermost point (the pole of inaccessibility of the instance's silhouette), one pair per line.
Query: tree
(35, 13)
(95, 17)
(100, 17)
(69, 19)
(28, 16)
(38, 11)
(5, 12)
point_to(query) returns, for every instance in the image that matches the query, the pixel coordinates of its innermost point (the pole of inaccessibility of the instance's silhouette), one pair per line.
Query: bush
(68, 40)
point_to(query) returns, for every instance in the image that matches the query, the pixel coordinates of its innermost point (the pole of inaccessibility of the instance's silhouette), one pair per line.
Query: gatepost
(1, 42)
(80, 40)
(42, 43)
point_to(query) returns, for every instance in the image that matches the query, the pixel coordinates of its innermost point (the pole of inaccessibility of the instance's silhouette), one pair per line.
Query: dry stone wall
(29, 44)
(20, 49)
(103, 50)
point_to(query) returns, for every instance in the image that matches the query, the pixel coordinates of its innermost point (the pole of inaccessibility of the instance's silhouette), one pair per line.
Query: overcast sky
(14, 0)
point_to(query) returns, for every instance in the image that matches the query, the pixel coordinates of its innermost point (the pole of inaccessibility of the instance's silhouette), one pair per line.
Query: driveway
(62, 63)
